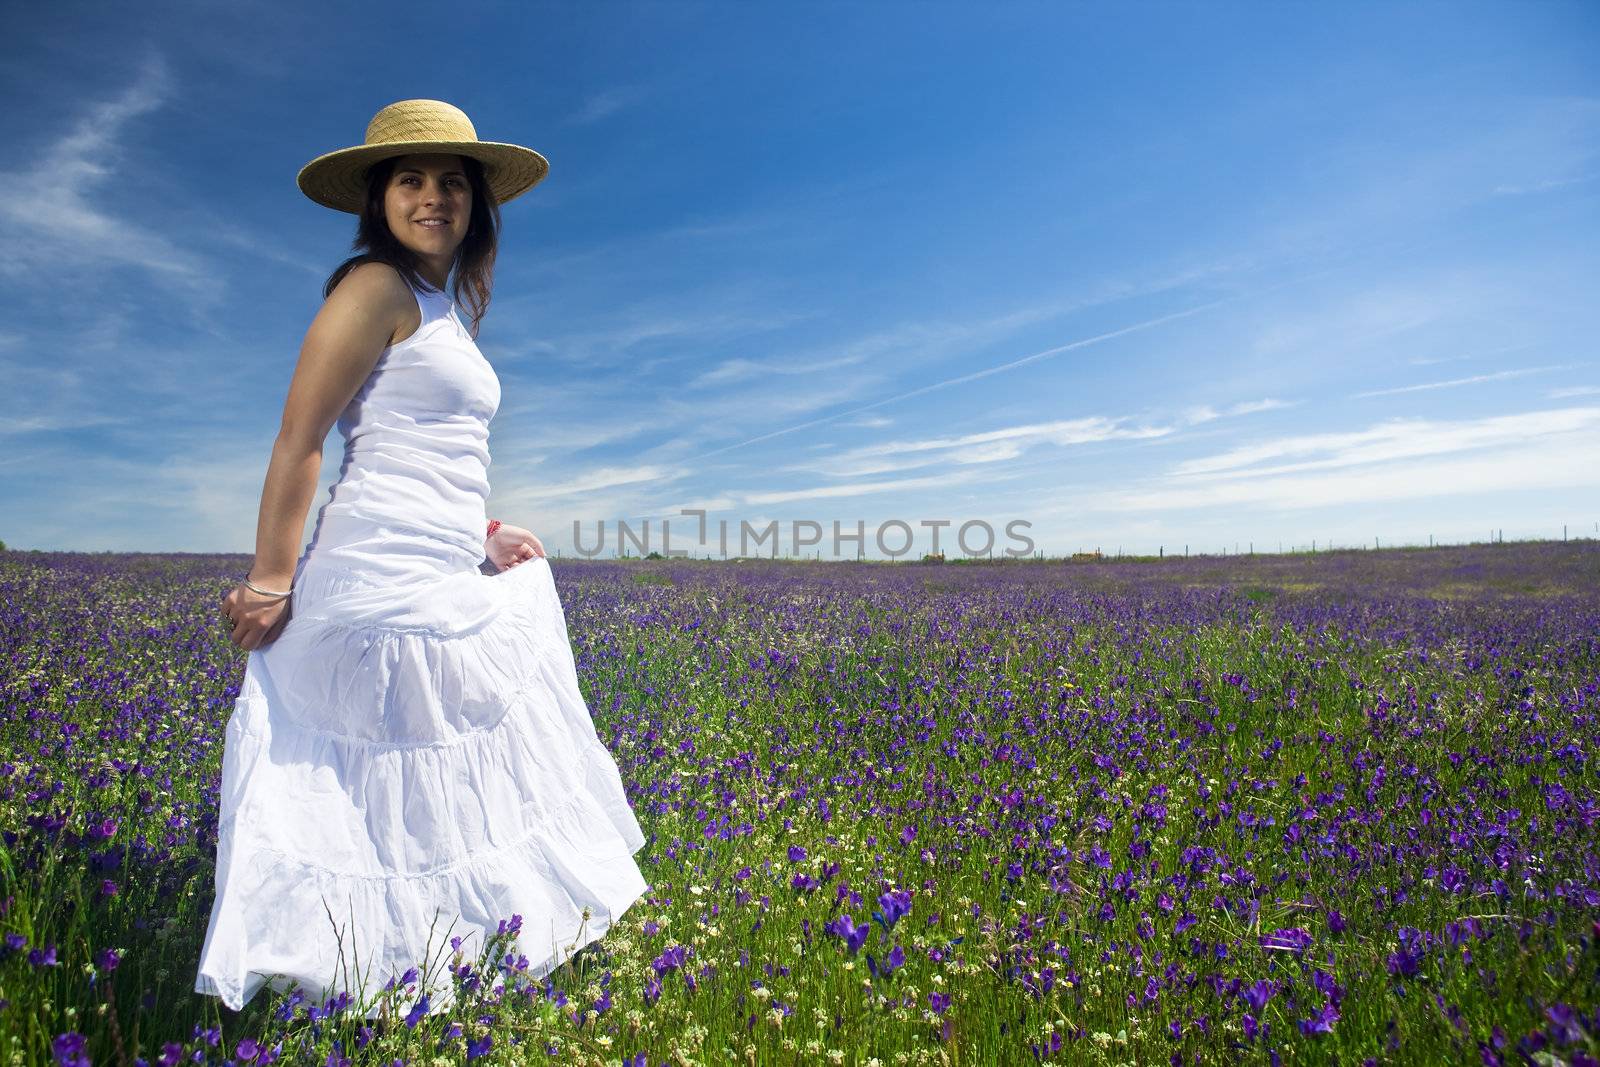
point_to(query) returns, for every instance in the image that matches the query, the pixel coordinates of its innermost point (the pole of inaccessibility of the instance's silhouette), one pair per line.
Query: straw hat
(339, 179)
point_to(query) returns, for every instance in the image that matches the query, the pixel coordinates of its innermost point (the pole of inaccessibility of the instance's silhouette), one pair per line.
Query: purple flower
(891, 963)
(669, 960)
(417, 1013)
(1322, 1022)
(1258, 994)
(938, 1002)
(480, 1048)
(171, 1054)
(248, 1050)
(854, 936)
(108, 959)
(1405, 963)
(1564, 1024)
(1336, 921)
(796, 853)
(1294, 939)
(893, 904)
(68, 1050)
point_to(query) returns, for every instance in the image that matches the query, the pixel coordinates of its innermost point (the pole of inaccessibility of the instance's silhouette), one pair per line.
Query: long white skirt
(412, 752)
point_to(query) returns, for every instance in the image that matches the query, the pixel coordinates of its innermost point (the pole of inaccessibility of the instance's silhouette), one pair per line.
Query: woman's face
(422, 191)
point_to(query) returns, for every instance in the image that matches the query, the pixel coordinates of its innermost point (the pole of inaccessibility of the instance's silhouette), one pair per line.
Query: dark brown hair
(474, 266)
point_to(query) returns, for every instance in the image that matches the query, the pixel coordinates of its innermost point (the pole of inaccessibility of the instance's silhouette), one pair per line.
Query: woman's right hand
(256, 620)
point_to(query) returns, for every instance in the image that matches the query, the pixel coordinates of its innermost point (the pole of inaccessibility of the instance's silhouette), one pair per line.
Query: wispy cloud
(1206, 413)
(853, 489)
(594, 480)
(705, 318)
(974, 376)
(1476, 379)
(1573, 391)
(987, 446)
(1393, 440)
(606, 103)
(1545, 186)
(20, 424)
(738, 370)
(869, 422)
(62, 217)
(1558, 462)
(1400, 460)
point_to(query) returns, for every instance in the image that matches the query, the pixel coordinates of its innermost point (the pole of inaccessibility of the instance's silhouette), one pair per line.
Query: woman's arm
(341, 347)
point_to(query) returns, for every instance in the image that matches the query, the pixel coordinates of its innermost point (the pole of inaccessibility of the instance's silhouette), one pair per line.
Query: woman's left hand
(510, 545)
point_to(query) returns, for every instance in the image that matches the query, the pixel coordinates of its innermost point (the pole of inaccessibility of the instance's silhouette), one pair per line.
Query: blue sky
(1139, 275)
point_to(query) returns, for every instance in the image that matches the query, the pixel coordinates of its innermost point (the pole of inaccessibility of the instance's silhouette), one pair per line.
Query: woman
(410, 758)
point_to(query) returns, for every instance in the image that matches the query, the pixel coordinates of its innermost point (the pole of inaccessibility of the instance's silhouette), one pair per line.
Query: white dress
(413, 749)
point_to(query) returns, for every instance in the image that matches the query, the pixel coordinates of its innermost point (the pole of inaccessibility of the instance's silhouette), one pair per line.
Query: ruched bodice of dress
(416, 450)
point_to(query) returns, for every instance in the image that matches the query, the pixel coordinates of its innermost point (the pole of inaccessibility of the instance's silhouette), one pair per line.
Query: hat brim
(339, 179)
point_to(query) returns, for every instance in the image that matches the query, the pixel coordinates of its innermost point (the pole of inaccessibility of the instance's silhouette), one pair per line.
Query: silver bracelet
(264, 592)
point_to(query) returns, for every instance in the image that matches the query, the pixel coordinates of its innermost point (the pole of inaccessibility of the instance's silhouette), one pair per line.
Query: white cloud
(986, 446)
(602, 478)
(606, 103)
(736, 370)
(62, 217)
(973, 376)
(1402, 459)
(1476, 379)
(1392, 440)
(784, 496)
(1542, 186)
(1573, 391)
(1206, 413)
(19, 424)
(1560, 461)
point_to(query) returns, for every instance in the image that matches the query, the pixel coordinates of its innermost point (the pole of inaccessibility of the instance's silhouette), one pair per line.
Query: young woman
(410, 758)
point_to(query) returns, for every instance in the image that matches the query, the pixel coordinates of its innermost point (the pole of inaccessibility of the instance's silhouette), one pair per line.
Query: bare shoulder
(376, 291)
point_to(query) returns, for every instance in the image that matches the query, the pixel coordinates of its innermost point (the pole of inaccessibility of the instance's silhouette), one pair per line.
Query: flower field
(1338, 808)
